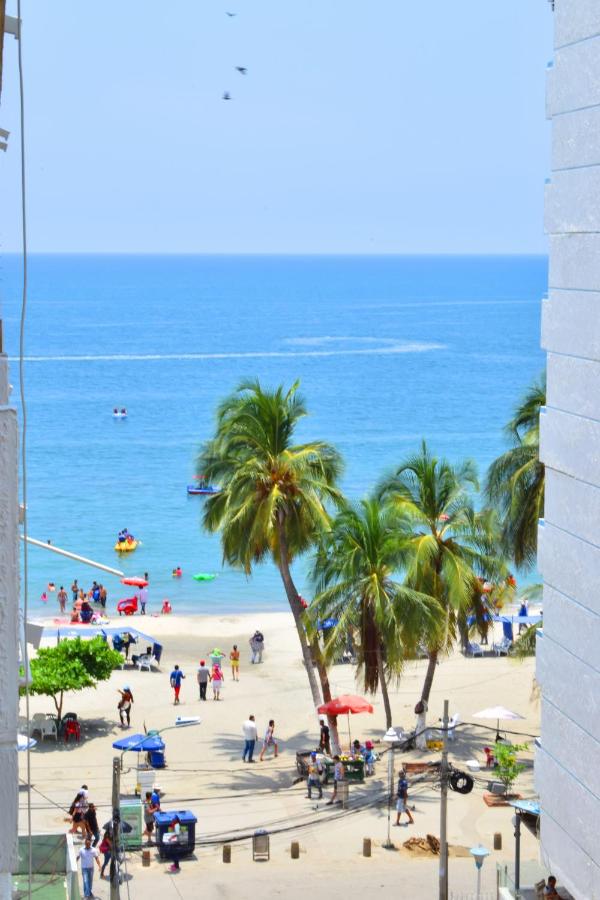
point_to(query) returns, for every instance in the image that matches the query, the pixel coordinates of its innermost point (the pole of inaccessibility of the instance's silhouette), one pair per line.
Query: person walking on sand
(88, 856)
(176, 678)
(338, 775)
(250, 734)
(62, 598)
(234, 658)
(402, 800)
(203, 677)
(217, 681)
(124, 706)
(269, 741)
(257, 645)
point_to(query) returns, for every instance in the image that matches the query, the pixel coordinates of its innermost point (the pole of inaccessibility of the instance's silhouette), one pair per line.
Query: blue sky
(376, 127)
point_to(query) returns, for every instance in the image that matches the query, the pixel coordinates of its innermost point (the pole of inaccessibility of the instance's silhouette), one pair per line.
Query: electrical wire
(24, 424)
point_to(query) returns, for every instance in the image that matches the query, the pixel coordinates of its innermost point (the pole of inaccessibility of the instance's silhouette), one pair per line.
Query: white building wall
(568, 764)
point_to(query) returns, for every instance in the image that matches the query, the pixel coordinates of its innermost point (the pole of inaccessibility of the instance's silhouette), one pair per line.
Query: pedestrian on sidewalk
(88, 856)
(315, 776)
(203, 677)
(338, 775)
(269, 740)
(250, 735)
(402, 800)
(176, 678)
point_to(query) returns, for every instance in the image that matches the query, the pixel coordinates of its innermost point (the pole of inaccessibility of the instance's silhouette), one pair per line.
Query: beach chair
(144, 662)
(474, 650)
(503, 647)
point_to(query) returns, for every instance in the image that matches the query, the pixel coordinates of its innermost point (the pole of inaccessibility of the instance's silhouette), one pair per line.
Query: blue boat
(201, 486)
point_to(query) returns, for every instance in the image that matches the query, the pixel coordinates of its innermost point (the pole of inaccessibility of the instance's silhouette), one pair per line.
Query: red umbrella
(136, 582)
(346, 703)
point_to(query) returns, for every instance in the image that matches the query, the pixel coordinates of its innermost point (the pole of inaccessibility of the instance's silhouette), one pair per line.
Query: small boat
(201, 486)
(126, 546)
(204, 576)
(119, 414)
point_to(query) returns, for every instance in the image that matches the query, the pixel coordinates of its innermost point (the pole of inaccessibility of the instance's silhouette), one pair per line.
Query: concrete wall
(567, 770)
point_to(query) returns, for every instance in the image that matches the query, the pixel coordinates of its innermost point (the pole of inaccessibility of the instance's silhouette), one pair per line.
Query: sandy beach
(231, 799)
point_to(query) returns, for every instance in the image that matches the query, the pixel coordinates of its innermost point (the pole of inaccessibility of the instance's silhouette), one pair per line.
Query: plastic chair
(72, 727)
(48, 728)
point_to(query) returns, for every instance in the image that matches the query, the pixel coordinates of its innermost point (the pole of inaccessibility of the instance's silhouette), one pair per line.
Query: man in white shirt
(88, 855)
(250, 735)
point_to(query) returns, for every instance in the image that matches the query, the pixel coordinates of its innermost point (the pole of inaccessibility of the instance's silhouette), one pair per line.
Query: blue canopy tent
(106, 631)
(152, 744)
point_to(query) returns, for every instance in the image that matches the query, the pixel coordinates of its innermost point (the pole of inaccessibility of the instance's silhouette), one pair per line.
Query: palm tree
(353, 573)
(515, 481)
(273, 493)
(449, 545)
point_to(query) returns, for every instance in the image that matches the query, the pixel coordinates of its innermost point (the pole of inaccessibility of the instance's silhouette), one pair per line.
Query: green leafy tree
(448, 545)
(515, 481)
(273, 493)
(353, 573)
(507, 769)
(71, 666)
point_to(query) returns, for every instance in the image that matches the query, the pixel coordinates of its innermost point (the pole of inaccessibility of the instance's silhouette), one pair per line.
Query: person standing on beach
(176, 678)
(269, 741)
(203, 678)
(75, 590)
(62, 598)
(234, 658)
(250, 734)
(143, 600)
(103, 596)
(402, 800)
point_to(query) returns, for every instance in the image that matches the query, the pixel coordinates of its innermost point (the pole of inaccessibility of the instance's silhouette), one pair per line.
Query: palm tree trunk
(384, 689)
(296, 608)
(433, 658)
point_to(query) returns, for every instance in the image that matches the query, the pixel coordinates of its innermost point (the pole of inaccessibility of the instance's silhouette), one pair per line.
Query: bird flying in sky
(230, 14)
(226, 96)
(241, 69)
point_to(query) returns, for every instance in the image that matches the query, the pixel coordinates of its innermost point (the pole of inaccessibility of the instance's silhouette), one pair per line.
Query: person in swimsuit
(234, 658)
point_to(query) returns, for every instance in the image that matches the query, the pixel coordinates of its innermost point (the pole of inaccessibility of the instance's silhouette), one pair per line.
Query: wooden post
(145, 858)
(295, 850)
(498, 841)
(366, 846)
(443, 866)
(226, 853)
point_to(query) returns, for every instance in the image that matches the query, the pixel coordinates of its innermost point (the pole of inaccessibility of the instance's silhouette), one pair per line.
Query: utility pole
(116, 828)
(444, 811)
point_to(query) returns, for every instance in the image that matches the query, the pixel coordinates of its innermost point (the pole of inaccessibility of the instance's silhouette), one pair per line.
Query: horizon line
(280, 253)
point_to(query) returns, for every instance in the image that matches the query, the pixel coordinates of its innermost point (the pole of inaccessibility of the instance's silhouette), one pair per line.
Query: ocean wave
(385, 350)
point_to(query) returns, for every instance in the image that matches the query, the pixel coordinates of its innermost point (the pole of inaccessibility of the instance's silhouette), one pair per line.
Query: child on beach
(124, 706)
(217, 681)
(176, 678)
(234, 658)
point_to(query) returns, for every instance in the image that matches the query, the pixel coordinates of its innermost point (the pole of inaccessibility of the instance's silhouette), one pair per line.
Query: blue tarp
(141, 743)
(327, 623)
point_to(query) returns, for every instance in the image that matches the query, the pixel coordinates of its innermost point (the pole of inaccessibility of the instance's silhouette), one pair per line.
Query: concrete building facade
(568, 656)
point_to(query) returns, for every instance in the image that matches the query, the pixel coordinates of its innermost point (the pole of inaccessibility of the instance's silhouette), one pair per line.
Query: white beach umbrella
(24, 742)
(497, 713)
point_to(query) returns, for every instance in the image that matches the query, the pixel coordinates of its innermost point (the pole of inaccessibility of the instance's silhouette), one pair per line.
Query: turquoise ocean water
(388, 350)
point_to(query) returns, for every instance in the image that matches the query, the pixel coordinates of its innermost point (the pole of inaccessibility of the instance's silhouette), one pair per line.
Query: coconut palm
(449, 545)
(273, 492)
(353, 573)
(515, 481)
